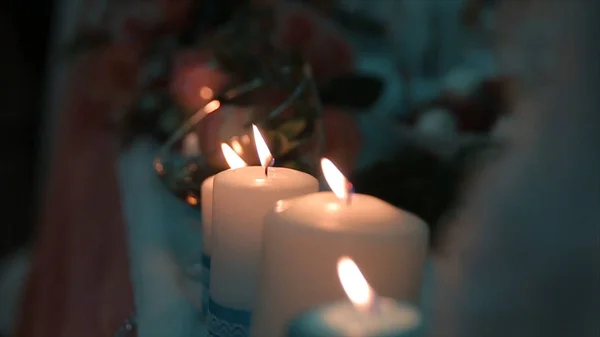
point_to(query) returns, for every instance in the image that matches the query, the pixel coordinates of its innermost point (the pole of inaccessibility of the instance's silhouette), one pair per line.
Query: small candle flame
(340, 186)
(264, 155)
(355, 285)
(231, 157)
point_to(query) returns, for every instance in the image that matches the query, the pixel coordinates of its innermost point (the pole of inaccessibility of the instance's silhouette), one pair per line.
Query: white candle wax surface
(241, 198)
(304, 238)
(343, 319)
(206, 191)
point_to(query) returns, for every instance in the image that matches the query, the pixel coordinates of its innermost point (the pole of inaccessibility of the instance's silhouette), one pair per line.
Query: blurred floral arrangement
(149, 67)
(152, 64)
(155, 63)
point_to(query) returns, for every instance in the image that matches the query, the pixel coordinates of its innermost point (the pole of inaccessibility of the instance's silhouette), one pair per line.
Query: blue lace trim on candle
(226, 322)
(205, 281)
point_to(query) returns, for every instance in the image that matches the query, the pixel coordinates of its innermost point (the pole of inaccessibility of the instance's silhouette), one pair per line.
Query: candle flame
(264, 155)
(231, 157)
(335, 179)
(354, 283)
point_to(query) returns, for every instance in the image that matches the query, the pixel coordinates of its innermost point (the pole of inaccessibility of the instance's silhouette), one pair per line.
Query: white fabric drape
(523, 257)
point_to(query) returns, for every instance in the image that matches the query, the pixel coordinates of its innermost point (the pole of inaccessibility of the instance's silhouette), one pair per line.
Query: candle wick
(269, 163)
(349, 192)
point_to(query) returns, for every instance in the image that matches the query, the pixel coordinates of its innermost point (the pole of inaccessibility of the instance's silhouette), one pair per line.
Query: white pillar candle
(365, 315)
(305, 236)
(234, 162)
(241, 198)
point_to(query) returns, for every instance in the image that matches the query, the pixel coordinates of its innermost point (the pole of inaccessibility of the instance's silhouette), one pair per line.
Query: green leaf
(278, 144)
(292, 129)
(305, 110)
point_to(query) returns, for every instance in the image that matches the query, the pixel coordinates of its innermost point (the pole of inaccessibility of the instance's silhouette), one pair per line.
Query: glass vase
(285, 106)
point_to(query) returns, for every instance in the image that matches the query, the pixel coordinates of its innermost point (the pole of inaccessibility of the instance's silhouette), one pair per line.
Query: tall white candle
(234, 162)
(305, 236)
(241, 198)
(365, 315)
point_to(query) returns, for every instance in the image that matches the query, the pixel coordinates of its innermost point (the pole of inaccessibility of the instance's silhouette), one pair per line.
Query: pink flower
(194, 80)
(175, 13)
(330, 57)
(134, 22)
(297, 31)
(138, 21)
(301, 28)
(106, 77)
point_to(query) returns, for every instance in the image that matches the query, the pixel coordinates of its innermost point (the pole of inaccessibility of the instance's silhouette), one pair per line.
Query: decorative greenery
(244, 49)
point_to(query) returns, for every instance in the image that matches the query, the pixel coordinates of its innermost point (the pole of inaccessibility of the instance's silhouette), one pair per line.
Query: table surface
(163, 237)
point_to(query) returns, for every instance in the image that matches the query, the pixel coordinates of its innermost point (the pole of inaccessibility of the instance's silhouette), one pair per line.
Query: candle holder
(283, 103)
(227, 322)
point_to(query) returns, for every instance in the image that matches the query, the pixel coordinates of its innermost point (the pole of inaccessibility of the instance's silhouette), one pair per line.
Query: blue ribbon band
(205, 281)
(227, 322)
(205, 278)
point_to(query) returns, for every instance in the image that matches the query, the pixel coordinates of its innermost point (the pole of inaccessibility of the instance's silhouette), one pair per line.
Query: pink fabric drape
(79, 283)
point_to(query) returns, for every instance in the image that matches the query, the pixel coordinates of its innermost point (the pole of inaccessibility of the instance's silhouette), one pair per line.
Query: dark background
(24, 38)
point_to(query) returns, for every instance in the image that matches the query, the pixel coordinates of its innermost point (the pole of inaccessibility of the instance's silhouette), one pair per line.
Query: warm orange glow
(158, 166)
(237, 147)
(280, 206)
(354, 283)
(191, 145)
(233, 160)
(246, 139)
(192, 200)
(335, 179)
(206, 93)
(333, 206)
(264, 155)
(212, 106)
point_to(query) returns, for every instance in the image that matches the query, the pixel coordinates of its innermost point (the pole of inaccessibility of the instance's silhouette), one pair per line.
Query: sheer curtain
(523, 259)
(79, 279)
